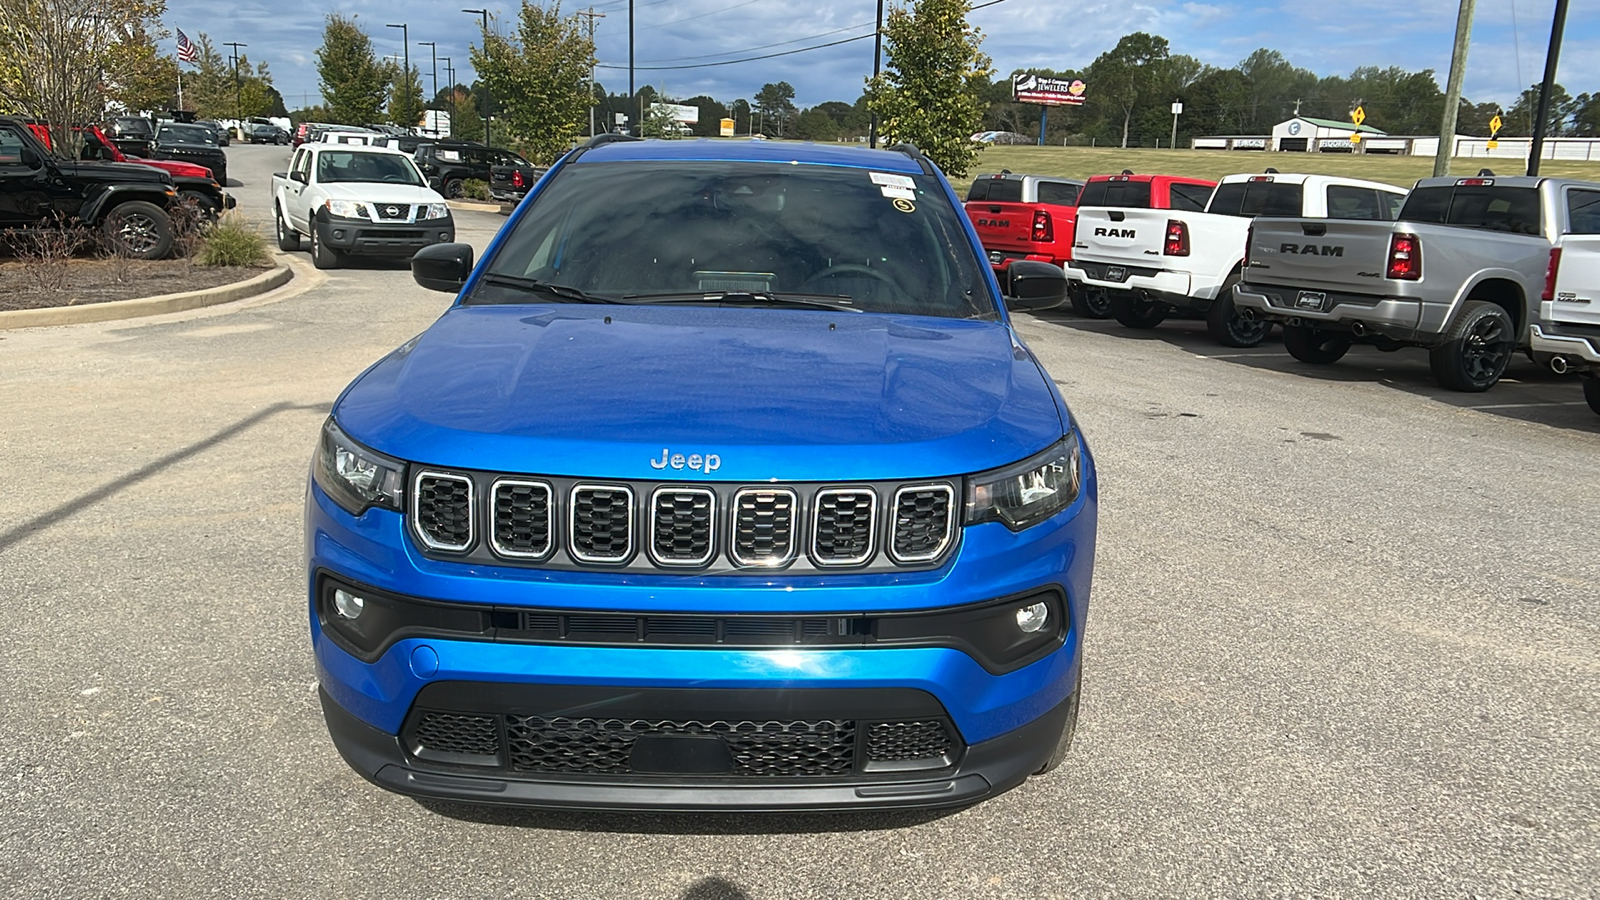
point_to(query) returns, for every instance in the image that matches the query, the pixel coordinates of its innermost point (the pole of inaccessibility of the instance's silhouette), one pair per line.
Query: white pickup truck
(1566, 334)
(1149, 261)
(353, 200)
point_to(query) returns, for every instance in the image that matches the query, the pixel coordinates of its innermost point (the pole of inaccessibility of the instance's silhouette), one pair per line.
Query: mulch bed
(24, 286)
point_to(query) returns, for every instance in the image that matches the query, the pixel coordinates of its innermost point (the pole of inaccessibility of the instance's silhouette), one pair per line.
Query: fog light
(348, 606)
(444, 237)
(338, 233)
(1032, 618)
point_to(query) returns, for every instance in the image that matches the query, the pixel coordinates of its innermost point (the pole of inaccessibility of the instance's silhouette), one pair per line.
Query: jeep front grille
(843, 526)
(923, 525)
(441, 510)
(600, 526)
(682, 526)
(524, 519)
(763, 526)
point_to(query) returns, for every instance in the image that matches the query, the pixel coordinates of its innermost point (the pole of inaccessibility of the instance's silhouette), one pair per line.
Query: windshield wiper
(563, 291)
(771, 298)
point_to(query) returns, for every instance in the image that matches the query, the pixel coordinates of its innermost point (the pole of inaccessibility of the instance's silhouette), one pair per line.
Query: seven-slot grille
(442, 510)
(844, 525)
(566, 524)
(763, 526)
(601, 527)
(682, 531)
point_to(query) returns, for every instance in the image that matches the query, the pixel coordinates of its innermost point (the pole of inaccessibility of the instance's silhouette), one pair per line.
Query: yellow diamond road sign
(1495, 125)
(1358, 116)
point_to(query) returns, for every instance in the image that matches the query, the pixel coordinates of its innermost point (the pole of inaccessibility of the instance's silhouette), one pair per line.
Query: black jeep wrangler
(448, 164)
(128, 203)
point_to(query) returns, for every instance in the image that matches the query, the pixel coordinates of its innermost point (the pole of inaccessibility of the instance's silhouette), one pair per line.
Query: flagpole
(180, 85)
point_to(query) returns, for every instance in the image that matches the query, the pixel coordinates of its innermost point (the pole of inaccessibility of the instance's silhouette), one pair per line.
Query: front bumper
(360, 237)
(1398, 318)
(1581, 352)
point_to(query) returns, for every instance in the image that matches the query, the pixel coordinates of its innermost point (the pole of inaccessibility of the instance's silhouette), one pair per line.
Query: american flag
(186, 50)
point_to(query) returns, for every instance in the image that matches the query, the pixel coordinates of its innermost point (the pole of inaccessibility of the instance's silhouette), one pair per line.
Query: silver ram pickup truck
(1460, 273)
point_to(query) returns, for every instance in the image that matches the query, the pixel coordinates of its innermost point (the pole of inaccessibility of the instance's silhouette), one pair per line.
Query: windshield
(185, 134)
(703, 231)
(353, 165)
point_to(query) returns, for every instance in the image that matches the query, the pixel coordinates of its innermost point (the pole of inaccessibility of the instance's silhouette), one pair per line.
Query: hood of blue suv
(646, 392)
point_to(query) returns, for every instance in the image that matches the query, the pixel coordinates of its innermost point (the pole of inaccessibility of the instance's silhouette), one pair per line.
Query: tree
(816, 125)
(927, 94)
(354, 84)
(405, 96)
(775, 102)
(53, 55)
(138, 77)
(712, 113)
(212, 91)
(1126, 77)
(539, 78)
(1519, 121)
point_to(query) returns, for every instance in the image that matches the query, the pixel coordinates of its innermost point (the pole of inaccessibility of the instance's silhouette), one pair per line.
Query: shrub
(475, 189)
(231, 241)
(46, 253)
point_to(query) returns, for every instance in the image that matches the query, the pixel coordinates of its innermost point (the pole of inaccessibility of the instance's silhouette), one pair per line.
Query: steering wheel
(846, 269)
(393, 177)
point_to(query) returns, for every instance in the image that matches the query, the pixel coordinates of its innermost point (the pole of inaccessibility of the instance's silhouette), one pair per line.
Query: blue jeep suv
(724, 484)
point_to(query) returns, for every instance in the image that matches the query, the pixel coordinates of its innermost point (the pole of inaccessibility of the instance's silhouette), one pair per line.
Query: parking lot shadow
(686, 823)
(715, 888)
(1528, 392)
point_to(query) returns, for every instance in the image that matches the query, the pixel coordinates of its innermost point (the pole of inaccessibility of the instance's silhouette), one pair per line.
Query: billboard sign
(1047, 91)
(688, 115)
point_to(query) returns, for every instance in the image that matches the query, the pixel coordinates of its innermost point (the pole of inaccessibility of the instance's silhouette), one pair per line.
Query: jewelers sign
(1047, 91)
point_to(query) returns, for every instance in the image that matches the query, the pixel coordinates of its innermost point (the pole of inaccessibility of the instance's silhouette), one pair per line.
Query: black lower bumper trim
(987, 769)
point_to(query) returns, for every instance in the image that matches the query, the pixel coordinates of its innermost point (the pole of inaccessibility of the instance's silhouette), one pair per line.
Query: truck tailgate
(1007, 226)
(1345, 255)
(1577, 293)
(1120, 235)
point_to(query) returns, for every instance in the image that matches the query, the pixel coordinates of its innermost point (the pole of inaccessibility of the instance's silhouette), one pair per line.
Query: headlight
(355, 477)
(437, 211)
(347, 209)
(1026, 493)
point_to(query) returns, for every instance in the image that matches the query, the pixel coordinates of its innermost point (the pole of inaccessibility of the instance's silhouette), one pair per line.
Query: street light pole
(877, 57)
(405, 41)
(434, 50)
(488, 98)
(238, 103)
(631, 88)
(1539, 125)
(450, 76)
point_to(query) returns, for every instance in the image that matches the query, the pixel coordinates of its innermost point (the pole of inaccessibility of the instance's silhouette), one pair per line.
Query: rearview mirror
(442, 267)
(1035, 285)
(299, 176)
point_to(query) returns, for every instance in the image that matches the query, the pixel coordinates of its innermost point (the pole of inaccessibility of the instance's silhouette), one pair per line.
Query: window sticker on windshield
(889, 180)
(898, 193)
(904, 205)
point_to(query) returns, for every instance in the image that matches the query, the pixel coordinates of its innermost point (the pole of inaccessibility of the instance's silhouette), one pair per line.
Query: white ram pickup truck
(353, 200)
(1149, 261)
(1566, 333)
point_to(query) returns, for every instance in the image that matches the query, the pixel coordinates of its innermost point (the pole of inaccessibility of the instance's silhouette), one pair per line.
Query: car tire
(1136, 312)
(288, 238)
(322, 256)
(1068, 729)
(1591, 392)
(1311, 344)
(1228, 326)
(1477, 348)
(1091, 303)
(140, 230)
(452, 188)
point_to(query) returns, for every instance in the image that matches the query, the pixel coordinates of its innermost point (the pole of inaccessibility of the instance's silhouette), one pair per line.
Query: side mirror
(31, 159)
(299, 176)
(1035, 285)
(442, 267)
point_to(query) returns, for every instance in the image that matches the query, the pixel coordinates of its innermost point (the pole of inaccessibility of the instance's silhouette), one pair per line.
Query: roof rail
(912, 151)
(606, 137)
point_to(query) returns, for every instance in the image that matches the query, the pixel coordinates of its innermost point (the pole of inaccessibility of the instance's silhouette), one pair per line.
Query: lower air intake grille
(601, 528)
(523, 519)
(894, 741)
(442, 510)
(922, 522)
(604, 746)
(763, 527)
(438, 734)
(681, 526)
(844, 525)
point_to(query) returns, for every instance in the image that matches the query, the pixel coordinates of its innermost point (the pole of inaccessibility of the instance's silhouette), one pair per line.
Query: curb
(474, 205)
(146, 306)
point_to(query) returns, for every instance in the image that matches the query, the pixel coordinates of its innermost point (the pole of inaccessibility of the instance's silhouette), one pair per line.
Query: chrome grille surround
(843, 512)
(418, 526)
(672, 528)
(497, 517)
(755, 497)
(575, 510)
(901, 526)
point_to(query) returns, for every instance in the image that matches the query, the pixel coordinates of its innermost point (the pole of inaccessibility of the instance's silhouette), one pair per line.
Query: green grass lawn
(1081, 162)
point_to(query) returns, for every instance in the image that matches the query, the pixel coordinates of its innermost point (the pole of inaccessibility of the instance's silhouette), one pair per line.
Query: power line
(809, 37)
(746, 59)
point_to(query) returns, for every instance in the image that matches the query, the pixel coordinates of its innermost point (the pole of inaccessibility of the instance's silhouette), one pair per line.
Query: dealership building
(1303, 134)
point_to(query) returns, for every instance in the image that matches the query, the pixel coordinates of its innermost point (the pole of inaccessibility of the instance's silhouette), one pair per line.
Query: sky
(1509, 39)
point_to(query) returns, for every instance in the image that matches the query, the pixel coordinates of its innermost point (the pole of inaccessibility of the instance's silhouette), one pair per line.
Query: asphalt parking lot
(1342, 643)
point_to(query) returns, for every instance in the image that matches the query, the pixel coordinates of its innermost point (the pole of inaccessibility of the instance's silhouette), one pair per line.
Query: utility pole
(488, 98)
(631, 88)
(450, 75)
(1452, 90)
(238, 104)
(591, 15)
(405, 39)
(877, 59)
(1556, 29)
(435, 51)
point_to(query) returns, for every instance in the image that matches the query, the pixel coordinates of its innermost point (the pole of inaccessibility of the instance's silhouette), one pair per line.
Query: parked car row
(1471, 269)
(195, 184)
